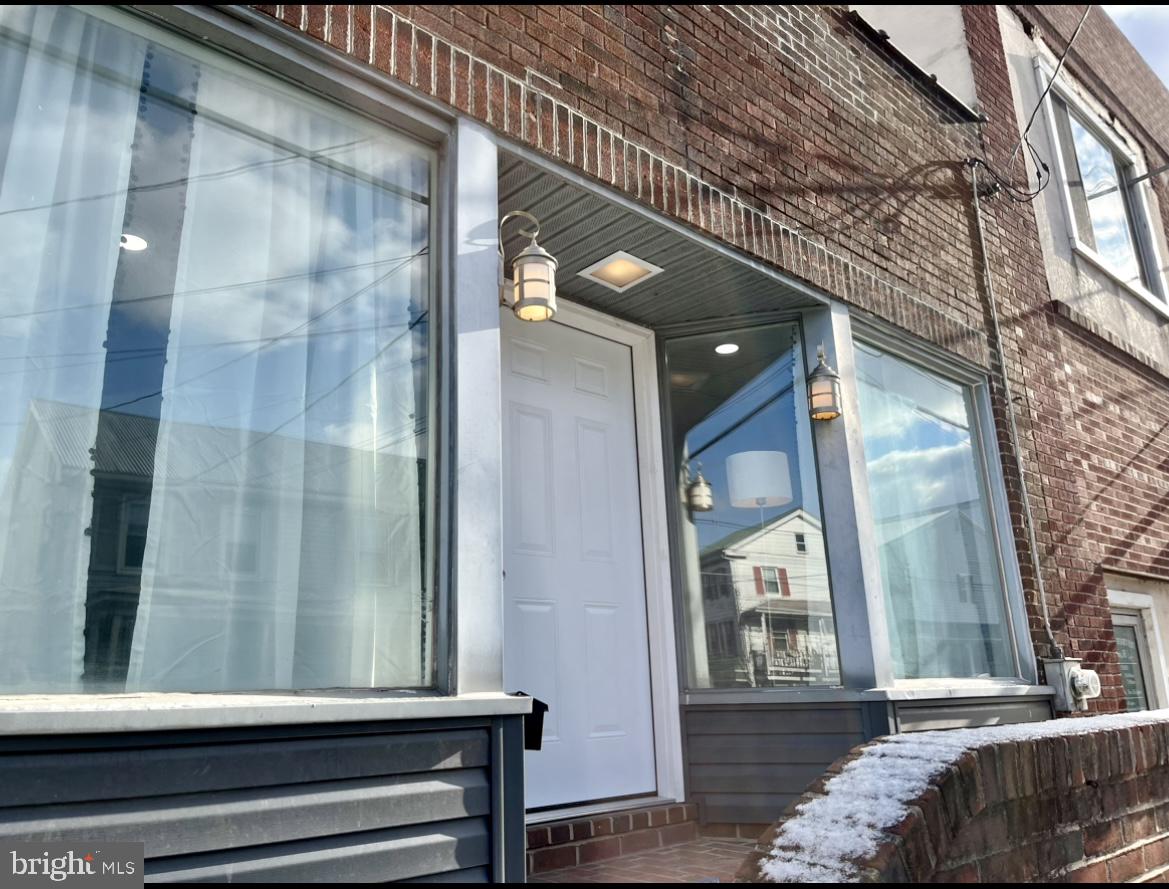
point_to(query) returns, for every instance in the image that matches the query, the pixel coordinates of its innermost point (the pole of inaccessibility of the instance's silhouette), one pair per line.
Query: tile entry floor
(704, 860)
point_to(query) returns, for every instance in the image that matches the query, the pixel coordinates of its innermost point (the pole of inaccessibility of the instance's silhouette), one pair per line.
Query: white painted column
(476, 454)
(853, 565)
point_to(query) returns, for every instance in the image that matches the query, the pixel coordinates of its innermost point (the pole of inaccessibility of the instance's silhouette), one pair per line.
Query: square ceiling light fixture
(620, 271)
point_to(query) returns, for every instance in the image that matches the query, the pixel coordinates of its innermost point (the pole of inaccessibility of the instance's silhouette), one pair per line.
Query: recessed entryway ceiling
(580, 227)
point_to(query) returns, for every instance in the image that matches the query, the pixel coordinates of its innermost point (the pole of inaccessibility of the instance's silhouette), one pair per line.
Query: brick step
(602, 837)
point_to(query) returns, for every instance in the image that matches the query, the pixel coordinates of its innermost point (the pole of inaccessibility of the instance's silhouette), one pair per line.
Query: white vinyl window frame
(1130, 166)
(770, 576)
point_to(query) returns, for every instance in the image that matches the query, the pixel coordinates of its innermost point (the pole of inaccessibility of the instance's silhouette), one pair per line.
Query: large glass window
(945, 601)
(214, 329)
(755, 581)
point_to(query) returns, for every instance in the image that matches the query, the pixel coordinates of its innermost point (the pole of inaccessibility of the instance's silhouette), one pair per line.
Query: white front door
(574, 583)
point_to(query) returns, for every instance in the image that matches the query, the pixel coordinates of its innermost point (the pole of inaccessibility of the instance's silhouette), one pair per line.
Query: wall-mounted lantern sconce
(823, 390)
(532, 295)
(699, 494)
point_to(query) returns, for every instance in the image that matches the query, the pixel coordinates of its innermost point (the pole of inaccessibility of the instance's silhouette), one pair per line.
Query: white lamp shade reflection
(759, 478)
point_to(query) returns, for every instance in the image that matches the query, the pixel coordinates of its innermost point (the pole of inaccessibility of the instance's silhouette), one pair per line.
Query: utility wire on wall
(1059, 65)
(1042, 170)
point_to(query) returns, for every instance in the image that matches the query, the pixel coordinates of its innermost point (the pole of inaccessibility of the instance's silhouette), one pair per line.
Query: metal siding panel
(765, 748)
(375, 856)
(285, 803)
(751, 777)
(470, 875)
(78, 776)
(766, 720)
(193, 823)
(745, 808)
(971, 713)
(734, 752)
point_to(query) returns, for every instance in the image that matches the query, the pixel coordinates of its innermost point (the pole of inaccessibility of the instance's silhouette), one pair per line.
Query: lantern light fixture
(823, 389)
(699, 493)
(532, 294)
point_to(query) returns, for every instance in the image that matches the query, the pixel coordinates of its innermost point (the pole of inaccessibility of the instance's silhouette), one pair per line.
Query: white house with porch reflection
(767, 606)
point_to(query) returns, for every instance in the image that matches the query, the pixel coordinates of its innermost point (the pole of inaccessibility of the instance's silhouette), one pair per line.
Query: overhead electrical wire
(1059, 65)
(1013, 192)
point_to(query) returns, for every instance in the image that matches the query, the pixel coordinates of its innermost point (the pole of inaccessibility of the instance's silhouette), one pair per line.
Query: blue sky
(1148, 29)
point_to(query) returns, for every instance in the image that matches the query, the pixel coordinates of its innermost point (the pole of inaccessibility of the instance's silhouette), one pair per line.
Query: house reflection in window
(779, 606)
(755, 579)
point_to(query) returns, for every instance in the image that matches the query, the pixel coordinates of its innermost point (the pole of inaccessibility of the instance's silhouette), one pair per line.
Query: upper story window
(1108, 214)
(214, 373)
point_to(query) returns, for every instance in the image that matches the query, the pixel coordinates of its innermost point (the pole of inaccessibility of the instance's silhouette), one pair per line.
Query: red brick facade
(791, 134)
(1081, 808)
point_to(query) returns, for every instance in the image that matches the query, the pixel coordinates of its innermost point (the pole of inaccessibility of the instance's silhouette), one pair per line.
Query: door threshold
(603, 807)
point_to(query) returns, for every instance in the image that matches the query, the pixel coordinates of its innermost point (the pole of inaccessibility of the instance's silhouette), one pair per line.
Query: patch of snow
(822, 840)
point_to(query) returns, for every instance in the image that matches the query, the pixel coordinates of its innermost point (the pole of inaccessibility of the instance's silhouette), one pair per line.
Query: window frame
(1134, 619)
(763, 570)
(1142, 605)
(1130, 166)
(234, 38)
(933, 360)
(125, 504)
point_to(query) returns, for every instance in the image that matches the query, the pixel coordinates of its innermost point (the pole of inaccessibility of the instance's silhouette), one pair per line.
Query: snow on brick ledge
(1080, 799)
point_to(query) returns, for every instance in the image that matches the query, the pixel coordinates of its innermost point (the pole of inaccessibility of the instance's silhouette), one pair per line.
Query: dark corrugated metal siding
(919, 716)
(744, 764)
(358, 802)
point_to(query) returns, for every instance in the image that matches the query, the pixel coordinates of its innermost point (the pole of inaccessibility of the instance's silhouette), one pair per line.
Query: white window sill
(1100, 264)
(904, 690)
(941, 689)
(70, 714)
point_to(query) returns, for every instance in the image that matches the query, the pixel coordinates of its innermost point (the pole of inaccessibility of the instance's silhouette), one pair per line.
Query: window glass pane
(1132, 673)
(1100, 198)
(939, 564)
(213, 373)
(757, 603)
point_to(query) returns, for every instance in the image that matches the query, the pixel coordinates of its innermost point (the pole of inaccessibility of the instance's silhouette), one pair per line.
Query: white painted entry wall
(574, 584)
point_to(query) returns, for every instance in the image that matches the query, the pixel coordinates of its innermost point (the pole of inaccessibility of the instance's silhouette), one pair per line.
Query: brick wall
(790, 134)
(1077, 807)
(781, 130)
(1099, 468)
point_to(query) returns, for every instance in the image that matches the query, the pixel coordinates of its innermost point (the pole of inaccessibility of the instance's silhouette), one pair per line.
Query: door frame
(655, 545)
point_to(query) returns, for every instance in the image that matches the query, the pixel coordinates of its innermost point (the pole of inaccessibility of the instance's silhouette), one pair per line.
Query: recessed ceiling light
(726, 349)
(133, 243)
(620, 271)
